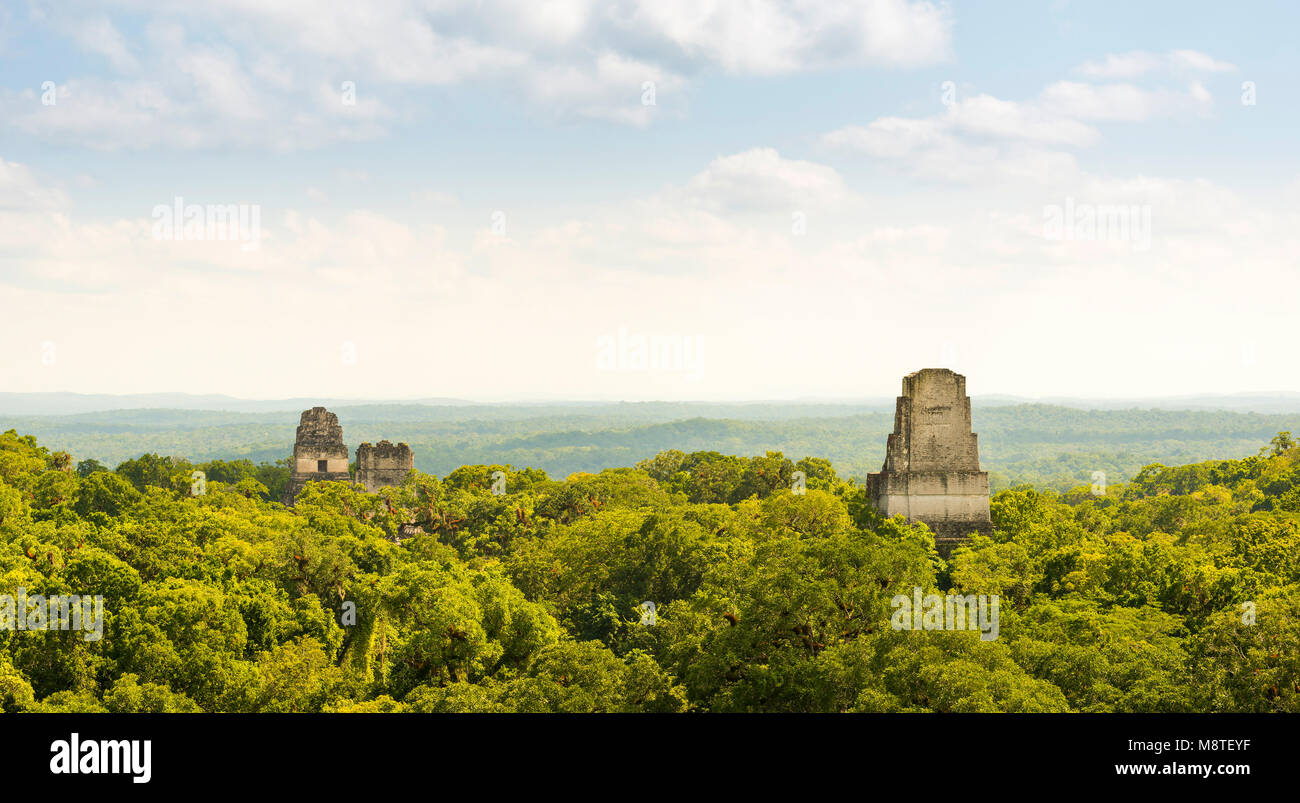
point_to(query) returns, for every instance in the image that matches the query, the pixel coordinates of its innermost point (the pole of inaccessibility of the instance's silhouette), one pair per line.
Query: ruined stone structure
(383, 465)
(319, 455)
(932, 465)
(318, 452)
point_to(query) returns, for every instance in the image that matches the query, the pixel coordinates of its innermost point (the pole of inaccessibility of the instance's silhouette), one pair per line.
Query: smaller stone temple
(318, 452)
(932, 467)
(383, 465)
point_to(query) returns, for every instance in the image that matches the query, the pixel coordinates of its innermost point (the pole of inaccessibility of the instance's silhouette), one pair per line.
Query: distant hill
(1279, 402)
(41, 404)
(1047, 445)
(74, 403)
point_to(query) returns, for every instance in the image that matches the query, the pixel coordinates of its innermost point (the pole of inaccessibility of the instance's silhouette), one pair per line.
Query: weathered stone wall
(932, 469)
(319, 437)
(383, 465)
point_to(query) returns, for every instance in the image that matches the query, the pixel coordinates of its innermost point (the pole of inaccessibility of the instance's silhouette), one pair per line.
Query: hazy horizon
(67, 403)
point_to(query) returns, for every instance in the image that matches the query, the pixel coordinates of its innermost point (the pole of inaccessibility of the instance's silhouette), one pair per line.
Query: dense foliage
(531, 600)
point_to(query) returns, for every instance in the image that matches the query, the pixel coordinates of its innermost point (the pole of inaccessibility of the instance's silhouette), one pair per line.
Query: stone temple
(319, 455)
(318, 452)
(932, 466)
(383, 465)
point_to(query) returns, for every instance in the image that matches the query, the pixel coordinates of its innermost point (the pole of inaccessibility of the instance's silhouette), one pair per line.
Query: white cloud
(99, 35)
(980, 139)
(614, 88)
(978, 129)
(984, 138)
(1195, 61)
(1121, 101)
(984, 114)
(773, 37)
(890, 137)
(21, 190)
(1141, 62)
(235, 72)
(759, 179)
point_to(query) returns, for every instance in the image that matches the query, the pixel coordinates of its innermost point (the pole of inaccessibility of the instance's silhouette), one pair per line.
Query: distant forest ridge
(1050, 446)
(58, 403)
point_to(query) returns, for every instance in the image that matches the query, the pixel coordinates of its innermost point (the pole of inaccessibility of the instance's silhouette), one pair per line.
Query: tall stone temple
(320, 455)
(932, 466)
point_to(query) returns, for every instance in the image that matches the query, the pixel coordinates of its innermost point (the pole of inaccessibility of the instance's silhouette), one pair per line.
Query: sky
(673, 199)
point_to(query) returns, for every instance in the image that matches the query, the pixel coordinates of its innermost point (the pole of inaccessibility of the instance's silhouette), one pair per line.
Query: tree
(1282, 443)
(89, 466)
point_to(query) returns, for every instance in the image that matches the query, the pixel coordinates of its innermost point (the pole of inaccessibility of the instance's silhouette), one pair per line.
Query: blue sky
(822, 197)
